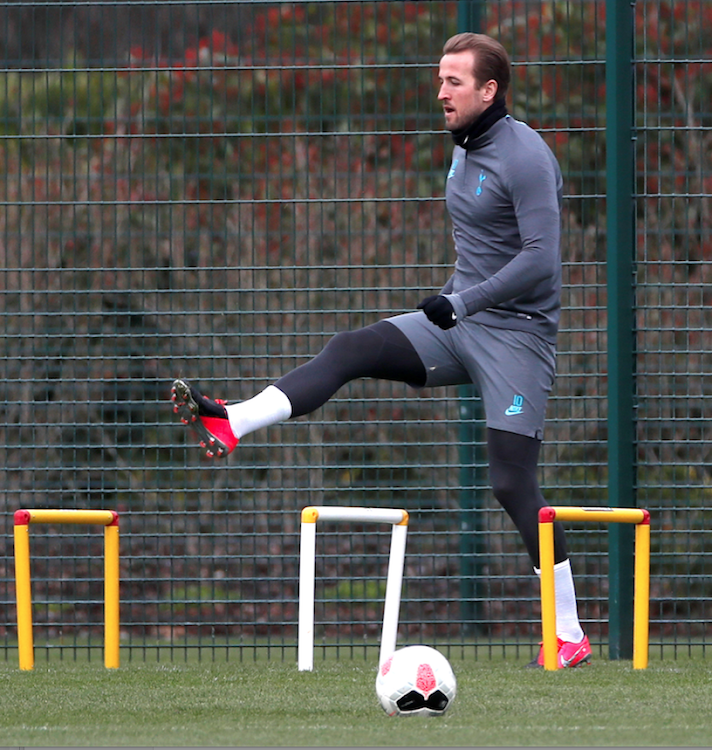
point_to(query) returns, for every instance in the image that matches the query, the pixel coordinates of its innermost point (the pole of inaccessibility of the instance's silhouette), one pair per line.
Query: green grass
(269, 703)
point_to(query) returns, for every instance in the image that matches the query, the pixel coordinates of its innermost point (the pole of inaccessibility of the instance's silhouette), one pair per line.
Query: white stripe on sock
(266, 408)
(568, 627)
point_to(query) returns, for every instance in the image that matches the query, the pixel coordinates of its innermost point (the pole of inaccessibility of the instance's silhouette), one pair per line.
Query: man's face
(463, 102)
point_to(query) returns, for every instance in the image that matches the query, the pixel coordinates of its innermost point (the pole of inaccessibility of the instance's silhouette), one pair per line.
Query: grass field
(269, 703)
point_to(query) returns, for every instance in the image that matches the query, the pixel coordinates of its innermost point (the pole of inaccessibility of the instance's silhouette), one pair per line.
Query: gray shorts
(514, 371)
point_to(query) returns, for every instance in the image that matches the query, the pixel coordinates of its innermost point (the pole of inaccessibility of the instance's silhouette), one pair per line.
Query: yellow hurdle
(23, 590)
(641, 601)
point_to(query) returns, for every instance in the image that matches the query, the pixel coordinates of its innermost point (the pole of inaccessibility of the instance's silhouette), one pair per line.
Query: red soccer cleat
(206, 416)
(569, 655)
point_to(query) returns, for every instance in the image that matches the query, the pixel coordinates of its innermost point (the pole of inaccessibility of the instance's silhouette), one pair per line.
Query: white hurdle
(307, 555)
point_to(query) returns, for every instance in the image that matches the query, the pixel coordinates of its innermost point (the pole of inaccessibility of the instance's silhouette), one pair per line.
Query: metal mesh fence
(674, 342)
(212, 190)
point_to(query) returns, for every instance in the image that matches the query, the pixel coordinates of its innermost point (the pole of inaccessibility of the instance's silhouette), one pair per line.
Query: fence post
(470, 435)
(620, 205)
(468, 15)
(470, 526)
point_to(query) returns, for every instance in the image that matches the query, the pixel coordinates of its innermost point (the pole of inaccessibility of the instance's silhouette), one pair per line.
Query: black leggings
(382, 351)
(378, 351)
(513, 461)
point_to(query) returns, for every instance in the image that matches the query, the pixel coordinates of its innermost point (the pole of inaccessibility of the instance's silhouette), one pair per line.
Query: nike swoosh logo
(512, 410)
(567, 662)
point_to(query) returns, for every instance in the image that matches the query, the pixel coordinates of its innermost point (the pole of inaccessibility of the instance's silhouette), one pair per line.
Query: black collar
(467, 137)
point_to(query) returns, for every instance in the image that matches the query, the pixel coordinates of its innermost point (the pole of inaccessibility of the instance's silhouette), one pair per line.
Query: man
(493, 324)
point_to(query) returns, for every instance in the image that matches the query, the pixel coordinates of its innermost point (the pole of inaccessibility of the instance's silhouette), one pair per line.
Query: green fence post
(471, 497)
(620, 203)
(468, 15)
(470, 436)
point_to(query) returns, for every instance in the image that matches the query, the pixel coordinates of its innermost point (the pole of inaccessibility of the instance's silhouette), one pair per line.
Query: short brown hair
(491, 59)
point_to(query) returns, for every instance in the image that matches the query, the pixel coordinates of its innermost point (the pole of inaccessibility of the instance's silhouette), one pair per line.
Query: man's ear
(490, 90)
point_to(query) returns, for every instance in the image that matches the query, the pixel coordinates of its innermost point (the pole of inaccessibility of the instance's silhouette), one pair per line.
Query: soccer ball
(416, 680)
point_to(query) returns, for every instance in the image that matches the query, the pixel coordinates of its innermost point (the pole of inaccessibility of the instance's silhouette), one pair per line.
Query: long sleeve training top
(504, 196)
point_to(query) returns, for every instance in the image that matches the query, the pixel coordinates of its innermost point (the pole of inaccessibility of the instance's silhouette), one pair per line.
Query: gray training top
(504, 199)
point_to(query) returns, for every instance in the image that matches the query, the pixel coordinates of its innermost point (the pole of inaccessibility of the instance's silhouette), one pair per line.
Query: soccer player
(494, 322)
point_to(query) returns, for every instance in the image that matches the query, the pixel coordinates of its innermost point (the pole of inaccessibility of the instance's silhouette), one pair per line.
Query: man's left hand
(439, 310)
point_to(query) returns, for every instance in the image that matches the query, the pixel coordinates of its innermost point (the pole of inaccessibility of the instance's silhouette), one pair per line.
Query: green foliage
(357, 590)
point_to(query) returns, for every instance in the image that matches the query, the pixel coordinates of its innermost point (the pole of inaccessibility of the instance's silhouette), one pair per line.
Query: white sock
(266, 408)
(568, 627)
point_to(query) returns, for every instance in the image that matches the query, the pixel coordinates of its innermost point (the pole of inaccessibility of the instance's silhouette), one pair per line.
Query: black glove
(439, 310)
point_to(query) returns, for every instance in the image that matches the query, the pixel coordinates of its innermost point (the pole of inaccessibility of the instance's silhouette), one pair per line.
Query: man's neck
(467, 136)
